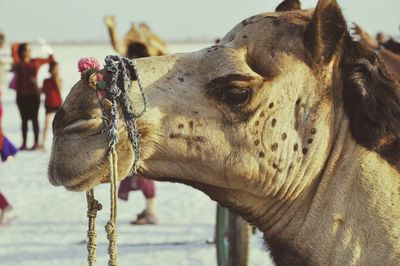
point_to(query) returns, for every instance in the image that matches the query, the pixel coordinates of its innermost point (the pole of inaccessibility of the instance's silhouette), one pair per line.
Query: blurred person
(2, 40)
(140, 41)
(388, 50)
(5, 208)
(15, 58)
(28, 93)
(388, 43)
(7, 149)
(381, 40)
(148, 188)
(53, 100)
(2, 63)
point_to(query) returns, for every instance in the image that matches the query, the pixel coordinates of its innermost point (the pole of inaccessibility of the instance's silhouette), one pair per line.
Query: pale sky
(73, 20)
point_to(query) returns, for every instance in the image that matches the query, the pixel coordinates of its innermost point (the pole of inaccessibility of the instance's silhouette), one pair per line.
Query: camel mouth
(92, 125)
(83, 170)
(77, 184)
(64, 168)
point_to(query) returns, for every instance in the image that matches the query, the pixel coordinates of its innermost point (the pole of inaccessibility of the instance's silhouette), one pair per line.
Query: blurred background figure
(2, 41)
(28, 93)
(387, 48)
(15, 62)
(5, 208)
(140, 41)
(388, 43)
(148, 188)
(7, 149)
(53, 101)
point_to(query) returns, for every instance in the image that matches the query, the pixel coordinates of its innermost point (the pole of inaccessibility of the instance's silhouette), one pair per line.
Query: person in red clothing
(148, 188)
(14, 54)
(28, 93)
(5, 207)
(52, 92)
(7, 149)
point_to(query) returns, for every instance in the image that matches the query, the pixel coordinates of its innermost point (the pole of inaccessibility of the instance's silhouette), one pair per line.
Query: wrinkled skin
(259, 128)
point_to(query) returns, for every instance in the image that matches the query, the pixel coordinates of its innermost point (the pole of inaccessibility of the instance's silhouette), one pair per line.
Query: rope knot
(112, 239)
(110, 229)
(93, 206)
(92, 212)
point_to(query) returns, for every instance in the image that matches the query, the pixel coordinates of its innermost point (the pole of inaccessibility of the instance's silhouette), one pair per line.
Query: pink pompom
(87, 63)
(101, 93)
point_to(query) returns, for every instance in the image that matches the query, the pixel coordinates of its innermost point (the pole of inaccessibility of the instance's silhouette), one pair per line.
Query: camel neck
(279, 213)
(347, 215)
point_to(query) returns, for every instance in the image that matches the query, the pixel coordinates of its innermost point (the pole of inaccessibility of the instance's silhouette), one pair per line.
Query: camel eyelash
(237, 96)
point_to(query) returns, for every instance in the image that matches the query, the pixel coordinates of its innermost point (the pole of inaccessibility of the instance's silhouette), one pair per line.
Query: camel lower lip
(78, 186)
(54, 181)
(57, 182)
(75, 187)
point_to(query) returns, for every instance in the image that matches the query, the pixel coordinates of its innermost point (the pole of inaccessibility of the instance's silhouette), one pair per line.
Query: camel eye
(238, 96)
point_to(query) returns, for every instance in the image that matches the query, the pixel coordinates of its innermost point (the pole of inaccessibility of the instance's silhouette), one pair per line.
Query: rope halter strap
(111, 95)
(123, 70)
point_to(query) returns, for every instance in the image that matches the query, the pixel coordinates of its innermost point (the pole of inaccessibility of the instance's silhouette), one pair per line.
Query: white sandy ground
(51, 222)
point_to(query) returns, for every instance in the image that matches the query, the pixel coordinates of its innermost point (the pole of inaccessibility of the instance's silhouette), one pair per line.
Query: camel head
(249, 121)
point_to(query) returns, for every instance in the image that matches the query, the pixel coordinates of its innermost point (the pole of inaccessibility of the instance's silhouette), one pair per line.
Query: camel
(386, 49)
(139, 41)
(287, 122)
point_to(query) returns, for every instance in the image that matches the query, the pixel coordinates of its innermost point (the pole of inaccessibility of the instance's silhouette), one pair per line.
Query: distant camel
(287, 122)
(388, 50)
(140, 41)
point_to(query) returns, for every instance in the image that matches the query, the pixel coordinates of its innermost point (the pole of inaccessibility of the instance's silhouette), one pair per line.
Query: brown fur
(372, 102)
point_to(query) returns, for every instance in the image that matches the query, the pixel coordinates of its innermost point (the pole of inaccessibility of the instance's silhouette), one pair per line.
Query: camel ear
(288, 5)
(325, 31)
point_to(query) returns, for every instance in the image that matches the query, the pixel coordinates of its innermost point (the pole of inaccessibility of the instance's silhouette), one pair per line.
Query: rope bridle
(122, 71)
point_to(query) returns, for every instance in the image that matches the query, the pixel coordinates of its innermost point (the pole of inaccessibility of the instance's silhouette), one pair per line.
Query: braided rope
(117, 93)
(93, 207)
(111, 226)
